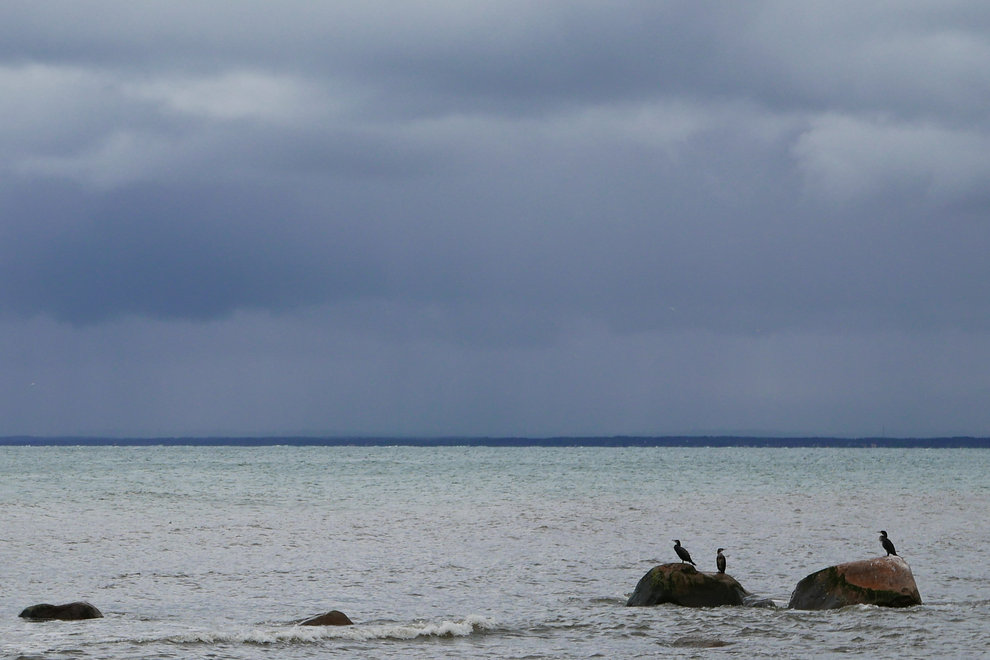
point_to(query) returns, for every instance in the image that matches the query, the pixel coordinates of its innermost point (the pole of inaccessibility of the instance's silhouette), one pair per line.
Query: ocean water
(479, 552)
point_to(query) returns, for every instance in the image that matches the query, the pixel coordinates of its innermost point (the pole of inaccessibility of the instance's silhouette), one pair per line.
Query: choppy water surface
(479, 552)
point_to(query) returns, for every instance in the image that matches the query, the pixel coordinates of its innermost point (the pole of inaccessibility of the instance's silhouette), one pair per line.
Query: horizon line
(680, 440)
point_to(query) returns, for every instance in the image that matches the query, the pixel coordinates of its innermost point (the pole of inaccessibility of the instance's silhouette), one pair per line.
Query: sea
(480, 551)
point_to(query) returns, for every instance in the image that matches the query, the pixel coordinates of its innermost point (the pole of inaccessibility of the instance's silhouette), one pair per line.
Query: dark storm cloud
(498, 177)
(148, 251)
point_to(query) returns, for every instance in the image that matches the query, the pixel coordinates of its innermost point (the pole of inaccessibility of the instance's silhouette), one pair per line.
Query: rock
(331, 618)
(67, 612)
(699, 642)
(752, 600)
(884, 581)
(683, 584)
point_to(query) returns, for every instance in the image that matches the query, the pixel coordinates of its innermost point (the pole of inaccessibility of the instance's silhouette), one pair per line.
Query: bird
(720, 561)
(887, 545)
(683, 553)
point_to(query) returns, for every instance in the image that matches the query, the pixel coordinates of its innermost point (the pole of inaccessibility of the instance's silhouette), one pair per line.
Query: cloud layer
(525, 218)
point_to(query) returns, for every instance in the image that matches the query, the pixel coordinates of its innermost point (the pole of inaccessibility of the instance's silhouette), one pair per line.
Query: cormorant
(682, 552)
(720, 561)
(887, 545)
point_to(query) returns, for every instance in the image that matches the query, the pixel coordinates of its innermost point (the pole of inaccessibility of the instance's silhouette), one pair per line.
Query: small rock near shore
(331, 618)
(67, 612)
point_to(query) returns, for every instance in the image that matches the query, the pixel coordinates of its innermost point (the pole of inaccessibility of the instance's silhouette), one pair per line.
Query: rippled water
(479, 552)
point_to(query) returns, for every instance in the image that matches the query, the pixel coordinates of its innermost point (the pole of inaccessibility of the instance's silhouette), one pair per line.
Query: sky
(495, 218)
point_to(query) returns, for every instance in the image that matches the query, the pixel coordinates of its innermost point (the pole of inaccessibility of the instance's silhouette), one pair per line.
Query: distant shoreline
(470, 441)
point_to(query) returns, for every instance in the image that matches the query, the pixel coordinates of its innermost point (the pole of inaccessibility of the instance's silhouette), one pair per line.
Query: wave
(470, 625)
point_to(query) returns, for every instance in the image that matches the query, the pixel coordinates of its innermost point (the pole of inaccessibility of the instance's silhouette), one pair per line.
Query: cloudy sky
(495, 218)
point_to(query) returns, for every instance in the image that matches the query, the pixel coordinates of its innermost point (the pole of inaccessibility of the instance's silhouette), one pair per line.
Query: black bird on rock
(683, 553)
(720, 561)
(887, 545)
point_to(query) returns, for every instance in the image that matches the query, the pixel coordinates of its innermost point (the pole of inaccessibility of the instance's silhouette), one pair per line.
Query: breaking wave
(470, 625)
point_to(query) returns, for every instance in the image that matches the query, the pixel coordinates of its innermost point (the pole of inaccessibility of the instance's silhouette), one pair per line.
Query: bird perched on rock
(720, 561)
(887, 545)
(683, 553)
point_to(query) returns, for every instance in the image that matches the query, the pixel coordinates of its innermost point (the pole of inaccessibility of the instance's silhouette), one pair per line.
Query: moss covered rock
(883, 581)
(683, 584)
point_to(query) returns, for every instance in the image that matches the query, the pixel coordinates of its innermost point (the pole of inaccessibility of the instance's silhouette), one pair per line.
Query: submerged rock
(331, 618)
(683, 584)
(752, 600)
(67, 612)
(699, 642)
(883, 581)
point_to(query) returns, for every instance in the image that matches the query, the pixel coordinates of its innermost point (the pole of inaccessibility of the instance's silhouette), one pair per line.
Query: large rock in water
(331, 618)
(884, 581)
(67, 612)
(683, 584)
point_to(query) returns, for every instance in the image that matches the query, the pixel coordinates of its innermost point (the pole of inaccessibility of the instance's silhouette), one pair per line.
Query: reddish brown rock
(883, 581)
(67, 612)
(683, 584)
(331, 618)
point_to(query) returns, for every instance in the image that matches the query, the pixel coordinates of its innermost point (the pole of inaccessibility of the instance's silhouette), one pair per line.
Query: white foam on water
(308, 634)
